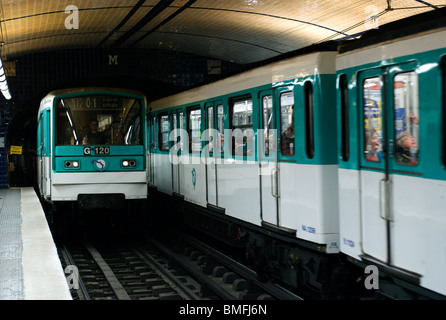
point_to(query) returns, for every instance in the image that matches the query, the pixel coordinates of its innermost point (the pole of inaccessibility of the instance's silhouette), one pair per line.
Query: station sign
(16, 150)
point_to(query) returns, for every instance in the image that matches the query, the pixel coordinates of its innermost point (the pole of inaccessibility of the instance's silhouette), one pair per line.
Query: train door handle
(380, 191)
(384, 199)
(274, 176)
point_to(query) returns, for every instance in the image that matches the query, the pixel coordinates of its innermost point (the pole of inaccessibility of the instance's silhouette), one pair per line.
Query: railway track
(155, 271)
(119, 273)
(220, 276)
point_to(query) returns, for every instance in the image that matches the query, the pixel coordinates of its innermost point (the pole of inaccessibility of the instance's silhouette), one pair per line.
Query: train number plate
(97, 150)
(102, 150)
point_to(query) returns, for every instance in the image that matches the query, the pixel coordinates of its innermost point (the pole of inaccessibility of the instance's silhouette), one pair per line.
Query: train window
(153, 134)
(181, 124)
(181, 127)
(220, 126)
(174, 121)
(164, 131)
(268, 133)
(42, 144)
(194, 130)
(97, 119)
(210, 118)
(287, 142)
(66, 133)
(345, 145)
(405, 92)
(309, 120)
(210, 127)
(242, 132)
(372, 119)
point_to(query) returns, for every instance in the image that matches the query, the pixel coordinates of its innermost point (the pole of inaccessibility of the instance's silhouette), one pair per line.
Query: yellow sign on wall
(16, 150)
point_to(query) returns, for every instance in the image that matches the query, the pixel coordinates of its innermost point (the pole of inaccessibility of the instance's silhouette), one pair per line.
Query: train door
(40, 153)
(268, 164)
(175, 165)
(211, 166)
(214, 150)
(374, 170)
(182, 129)
(405, 207)
(43, 154)
(384, 116)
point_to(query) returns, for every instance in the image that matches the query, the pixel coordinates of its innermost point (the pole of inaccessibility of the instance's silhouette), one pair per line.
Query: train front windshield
(98, 120)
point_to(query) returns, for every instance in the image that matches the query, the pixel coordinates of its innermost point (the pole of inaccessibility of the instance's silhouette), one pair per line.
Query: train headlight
(128, 163)
(74, 164)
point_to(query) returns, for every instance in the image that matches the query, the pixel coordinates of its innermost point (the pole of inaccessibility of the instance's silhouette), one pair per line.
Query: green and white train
(91, 147)
(321, 163)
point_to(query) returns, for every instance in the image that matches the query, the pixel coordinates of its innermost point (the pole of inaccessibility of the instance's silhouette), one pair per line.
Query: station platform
(30, 268)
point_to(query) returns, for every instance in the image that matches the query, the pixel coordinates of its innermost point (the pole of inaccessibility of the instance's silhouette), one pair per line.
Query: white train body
(291, 193)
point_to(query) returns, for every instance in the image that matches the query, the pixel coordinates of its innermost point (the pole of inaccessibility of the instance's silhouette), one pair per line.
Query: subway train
(91, 149)
(328, 165)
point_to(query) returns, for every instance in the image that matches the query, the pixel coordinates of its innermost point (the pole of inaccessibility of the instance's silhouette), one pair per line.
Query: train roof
(401, 28)
(322, 62)
(90, 89)
(319, 47)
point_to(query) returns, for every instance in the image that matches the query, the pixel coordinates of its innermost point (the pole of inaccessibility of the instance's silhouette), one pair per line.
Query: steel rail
(185, 292)
(116, 286)
(82, 292)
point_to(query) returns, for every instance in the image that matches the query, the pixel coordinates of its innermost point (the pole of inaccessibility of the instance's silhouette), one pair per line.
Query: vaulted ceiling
(240, 31)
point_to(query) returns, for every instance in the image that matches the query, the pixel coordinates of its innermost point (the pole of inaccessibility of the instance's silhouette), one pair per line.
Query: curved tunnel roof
(240, 31)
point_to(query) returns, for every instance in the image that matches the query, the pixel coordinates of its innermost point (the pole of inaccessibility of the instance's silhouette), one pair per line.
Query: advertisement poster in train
(399, 104)
(373, 105)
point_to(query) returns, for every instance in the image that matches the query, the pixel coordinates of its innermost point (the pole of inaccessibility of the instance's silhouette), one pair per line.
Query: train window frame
(268, 123)
(190, 130)
(244, 150)
(345, 121)
(287, 135)
(406, 124)
(162, 133)
(309, 120)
